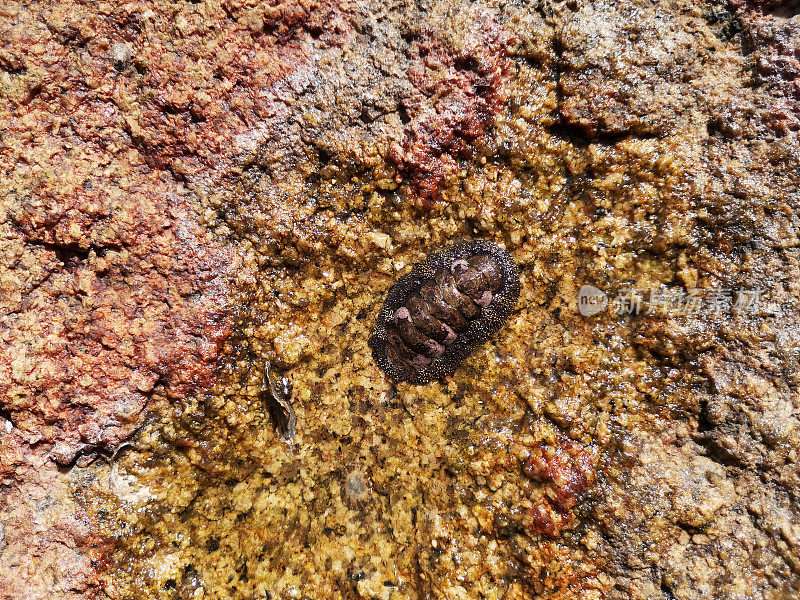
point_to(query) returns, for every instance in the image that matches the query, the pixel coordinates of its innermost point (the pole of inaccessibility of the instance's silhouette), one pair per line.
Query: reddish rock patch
(567, 471)
(113, 292)
(456, 93)
(49, 546)
(203, 90)
(774, 52)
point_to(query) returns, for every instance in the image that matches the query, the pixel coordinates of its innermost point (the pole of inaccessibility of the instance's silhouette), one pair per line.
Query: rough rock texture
(622, 65)
(774, 53)
(194, 189)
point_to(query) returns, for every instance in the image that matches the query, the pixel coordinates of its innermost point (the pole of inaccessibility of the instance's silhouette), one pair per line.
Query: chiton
(443, 309)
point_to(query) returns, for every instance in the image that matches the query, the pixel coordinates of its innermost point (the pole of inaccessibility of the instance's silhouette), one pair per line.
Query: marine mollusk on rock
(440, 312)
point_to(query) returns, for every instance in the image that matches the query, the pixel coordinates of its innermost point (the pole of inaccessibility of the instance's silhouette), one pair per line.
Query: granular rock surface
(195, 191)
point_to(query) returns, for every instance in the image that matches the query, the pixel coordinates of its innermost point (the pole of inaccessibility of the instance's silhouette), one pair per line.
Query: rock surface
(194, 189)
